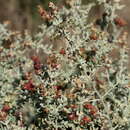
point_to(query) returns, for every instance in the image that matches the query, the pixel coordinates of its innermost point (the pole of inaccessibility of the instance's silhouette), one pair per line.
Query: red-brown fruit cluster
(72, 116)
(85, 120)
(44, 14)
(93, 37)
(57, 87)
(3, 116)
(29, 86)
(36, 62)
(62, 51)
(120, 22)
(73, 106)
(92, 109)
(6, 108)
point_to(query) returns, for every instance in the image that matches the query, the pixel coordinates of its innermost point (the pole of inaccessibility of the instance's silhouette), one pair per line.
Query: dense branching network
(77, 82)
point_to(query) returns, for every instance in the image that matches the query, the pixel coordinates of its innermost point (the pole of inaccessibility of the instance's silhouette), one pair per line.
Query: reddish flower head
(92, 109)
(37, 63)
(89, 106)
(57, 87)
(93, 112)
(72, 116)
(120, 22)
(37, 66)
(62, 51)
(6, 108)
(35, 59)
(85, 120)
(29, 86)
(54, 65)
(73, 106)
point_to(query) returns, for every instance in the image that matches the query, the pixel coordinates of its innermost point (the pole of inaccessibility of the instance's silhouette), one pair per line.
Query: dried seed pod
(73, 106)
(122, 44)
(53, 7)
(93, 37)
(51, 59)
(3, 116)
(82, 51)
(70, 3)
(27, 76)
(1, 49)
(44, 14)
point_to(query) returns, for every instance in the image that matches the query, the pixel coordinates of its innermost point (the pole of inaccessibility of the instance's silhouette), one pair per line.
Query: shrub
(79, 85)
